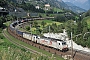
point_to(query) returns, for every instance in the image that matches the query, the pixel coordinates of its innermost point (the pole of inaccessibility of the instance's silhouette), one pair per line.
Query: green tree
(9, 18)
(60, 18)
(0, 30)
(88, 42)
(3, 3)
(27, 28)
(87, 13)
(43, 23)
(85, 26)
(35, 24)
(79, 27)
(60, 28)
(70, 26)
(1, 22)
(54, 28)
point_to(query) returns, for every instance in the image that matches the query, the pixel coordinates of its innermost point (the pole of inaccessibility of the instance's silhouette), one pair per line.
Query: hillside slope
(87, 19)
(54, 3)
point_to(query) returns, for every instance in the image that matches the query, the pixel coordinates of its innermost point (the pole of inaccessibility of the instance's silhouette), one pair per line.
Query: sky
(79, 1)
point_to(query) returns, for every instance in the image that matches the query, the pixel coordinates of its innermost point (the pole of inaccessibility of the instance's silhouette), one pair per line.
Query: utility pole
(17, 20)
(49, 31)
(30, 29)
(72, 46)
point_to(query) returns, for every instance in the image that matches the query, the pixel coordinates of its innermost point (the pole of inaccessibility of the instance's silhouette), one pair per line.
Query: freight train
(49, 42)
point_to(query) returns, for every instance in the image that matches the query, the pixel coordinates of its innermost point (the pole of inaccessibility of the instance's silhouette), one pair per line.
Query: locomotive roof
(51, 38)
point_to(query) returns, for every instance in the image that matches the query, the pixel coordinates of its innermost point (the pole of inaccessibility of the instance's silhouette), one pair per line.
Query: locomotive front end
(64, 46)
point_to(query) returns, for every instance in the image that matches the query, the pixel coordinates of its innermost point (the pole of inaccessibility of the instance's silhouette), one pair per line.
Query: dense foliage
(60, 18)
(65, 16)
(54, 28)
(1, 21)
(87, 13)
(3, 3)
(78, 25)
(79, 30)
(30, 7)
(5, 19)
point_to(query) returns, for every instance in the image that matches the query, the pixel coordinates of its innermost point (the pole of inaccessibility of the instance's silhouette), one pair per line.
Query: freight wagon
(19, 33)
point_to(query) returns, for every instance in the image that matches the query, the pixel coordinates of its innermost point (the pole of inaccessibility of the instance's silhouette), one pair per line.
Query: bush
(1, 36)
(60, 18)
(27, 28)
(0, 30)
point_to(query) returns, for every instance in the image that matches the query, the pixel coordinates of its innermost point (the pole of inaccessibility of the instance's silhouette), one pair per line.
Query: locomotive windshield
(63, 43)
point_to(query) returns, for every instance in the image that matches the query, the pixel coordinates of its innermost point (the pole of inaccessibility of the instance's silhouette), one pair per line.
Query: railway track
(28, 49)
(76, 54)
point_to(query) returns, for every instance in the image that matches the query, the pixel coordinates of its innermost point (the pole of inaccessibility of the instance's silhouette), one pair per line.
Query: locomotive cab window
(64, 43)
(36, 36)
(59, 43)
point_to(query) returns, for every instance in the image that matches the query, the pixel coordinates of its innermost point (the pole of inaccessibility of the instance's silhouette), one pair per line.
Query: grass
(9, 51)
(7, 23)
(34, 48)
(57, 9)
(49, 22)
(88, 21)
